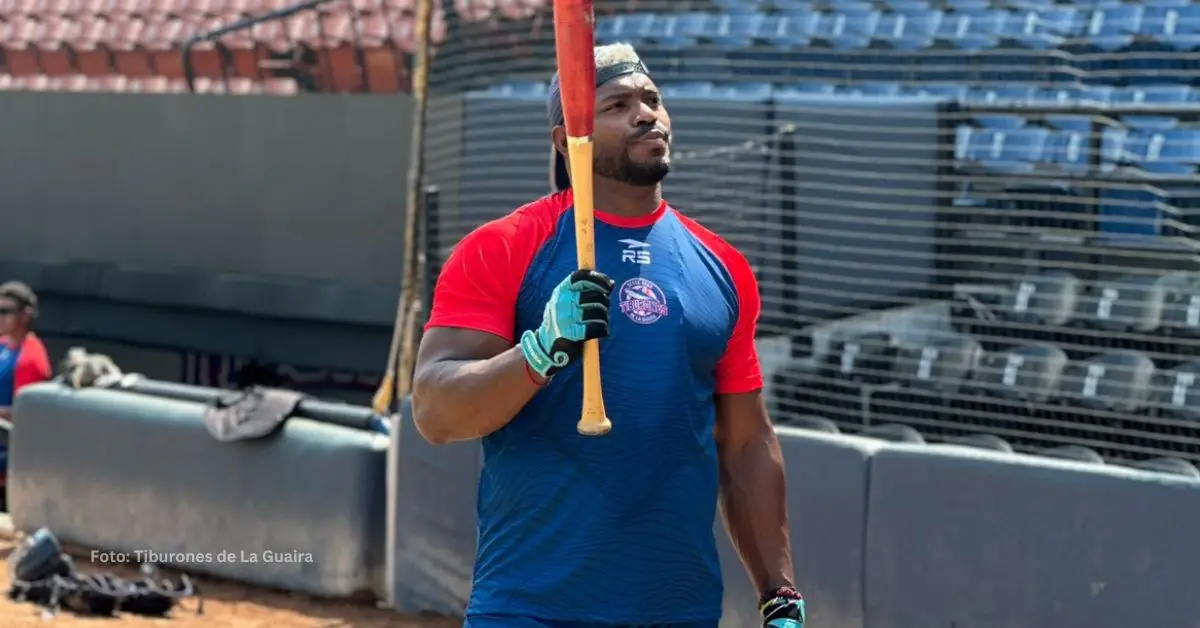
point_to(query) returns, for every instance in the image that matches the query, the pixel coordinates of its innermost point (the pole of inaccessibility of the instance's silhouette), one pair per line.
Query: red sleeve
(738, 370)
(479, 283)
(33, 365)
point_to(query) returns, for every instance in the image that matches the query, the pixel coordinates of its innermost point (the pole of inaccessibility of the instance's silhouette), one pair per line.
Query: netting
(967, 217)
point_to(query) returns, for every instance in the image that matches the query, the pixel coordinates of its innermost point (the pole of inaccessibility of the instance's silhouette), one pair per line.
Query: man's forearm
(463, 399)
(754, 503)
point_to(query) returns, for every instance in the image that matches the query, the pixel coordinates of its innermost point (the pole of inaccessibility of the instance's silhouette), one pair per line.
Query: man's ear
(558, 136)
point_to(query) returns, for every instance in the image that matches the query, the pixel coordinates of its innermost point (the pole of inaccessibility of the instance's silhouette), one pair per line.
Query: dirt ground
(226, 605)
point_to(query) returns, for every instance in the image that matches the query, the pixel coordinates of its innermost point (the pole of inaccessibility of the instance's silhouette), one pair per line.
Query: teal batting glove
(576, 312)
(782, 608)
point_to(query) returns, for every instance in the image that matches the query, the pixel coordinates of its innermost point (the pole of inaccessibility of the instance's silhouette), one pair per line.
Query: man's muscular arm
(753, 493)
(468, 384)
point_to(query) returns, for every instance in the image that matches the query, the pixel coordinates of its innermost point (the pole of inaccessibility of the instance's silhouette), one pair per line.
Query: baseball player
(616, 530)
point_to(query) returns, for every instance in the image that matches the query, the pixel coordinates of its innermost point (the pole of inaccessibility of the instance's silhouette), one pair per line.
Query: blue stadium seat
(1043, 29)
(801, 91)
(846, 29)
(969, 6)
(971, 32)
(899, 31)
(739, 30)
(791, 31)
(631, 27)
(909, 7)
(1070, 144)
(1114, 28)
(1155, 94)
(688, 28)
(1000, 121)
(747, 92)
(739, 6)
(871, 89)
(952, 92)
(525, 90)
(694, 89)
(1001, 94)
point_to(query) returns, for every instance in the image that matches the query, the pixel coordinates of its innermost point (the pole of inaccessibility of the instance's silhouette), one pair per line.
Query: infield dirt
(226, 605)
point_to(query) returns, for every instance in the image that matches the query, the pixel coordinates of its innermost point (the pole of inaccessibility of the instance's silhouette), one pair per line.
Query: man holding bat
(612, 530)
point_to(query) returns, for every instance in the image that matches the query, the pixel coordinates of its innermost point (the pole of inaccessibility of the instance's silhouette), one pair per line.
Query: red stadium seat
(206, 61)
(367, 6)
(399, 7)
(91, 56)
(163, 41)
(340, 52)
(124, 40)
(18, 38)
(475, 10)
(22, 7)
(242, 47)
(91, 7)
(515, 9)
(382, 72)
(54, 55)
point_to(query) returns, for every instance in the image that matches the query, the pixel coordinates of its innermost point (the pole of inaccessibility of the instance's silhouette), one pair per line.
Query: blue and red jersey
(615, 529)
(20, 365)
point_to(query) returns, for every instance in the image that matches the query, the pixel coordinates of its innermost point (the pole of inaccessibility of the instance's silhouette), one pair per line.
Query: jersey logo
(642, 301)
(635, 252)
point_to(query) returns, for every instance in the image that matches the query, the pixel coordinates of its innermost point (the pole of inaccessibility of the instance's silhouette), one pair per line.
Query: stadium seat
(812, 422)
(1130, 303)
(866, 358)
(894, 432)
(1120, 382)
(940, 365)
(1030, 373)
(1181, 307)
(1171, 466)
(1176, 393)
(1073, 452)
(1048, 297)
(990, 442)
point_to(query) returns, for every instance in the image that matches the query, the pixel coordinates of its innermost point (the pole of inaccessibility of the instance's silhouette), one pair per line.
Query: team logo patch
(642, 301)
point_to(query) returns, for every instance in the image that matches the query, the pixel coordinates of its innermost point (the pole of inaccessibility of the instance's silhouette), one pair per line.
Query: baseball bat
(574, 43)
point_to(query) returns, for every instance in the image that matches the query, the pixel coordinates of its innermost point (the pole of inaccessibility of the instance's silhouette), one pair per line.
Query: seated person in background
(23, 357)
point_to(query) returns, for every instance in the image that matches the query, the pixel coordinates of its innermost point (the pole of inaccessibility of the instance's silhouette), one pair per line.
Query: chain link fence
(972, 218)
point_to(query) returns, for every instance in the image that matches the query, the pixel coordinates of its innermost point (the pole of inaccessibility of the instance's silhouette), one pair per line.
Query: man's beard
(620, 167)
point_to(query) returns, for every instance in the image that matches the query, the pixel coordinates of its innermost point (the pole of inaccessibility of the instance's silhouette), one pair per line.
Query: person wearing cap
(23, 357)
(613, 530)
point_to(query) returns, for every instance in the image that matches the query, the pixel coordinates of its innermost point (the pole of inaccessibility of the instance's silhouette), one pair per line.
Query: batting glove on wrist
(782, 608)
(576, 312)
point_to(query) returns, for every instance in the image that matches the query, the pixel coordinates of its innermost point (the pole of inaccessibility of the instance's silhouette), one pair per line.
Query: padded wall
(433, 528)
(827, 496)
(957, 537)
(126, 471)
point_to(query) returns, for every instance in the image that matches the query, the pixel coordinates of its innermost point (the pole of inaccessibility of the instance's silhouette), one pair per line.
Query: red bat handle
(574, 32)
